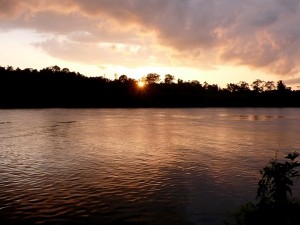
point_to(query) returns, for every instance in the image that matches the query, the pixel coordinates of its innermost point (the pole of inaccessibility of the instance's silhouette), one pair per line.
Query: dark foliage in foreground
(273, 205)
(56, 87)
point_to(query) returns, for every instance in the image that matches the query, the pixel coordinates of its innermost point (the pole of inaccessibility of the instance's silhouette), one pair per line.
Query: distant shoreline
(191, 107)
(53, 87)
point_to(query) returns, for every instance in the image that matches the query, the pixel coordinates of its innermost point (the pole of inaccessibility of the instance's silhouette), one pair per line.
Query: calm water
(136, 166)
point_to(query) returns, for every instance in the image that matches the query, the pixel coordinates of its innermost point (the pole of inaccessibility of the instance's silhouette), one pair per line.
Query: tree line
(56, 87)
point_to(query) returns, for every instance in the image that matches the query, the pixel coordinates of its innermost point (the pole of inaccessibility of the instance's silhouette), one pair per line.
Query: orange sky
(218, 41)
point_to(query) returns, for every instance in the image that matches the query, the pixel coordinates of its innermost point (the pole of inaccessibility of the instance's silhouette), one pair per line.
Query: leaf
(292, 156)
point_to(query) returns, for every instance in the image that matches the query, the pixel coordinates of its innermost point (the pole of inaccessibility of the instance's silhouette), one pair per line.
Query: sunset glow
(141, 84)
(218, 41)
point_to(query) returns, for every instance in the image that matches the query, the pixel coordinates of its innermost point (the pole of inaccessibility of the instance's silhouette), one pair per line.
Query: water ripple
(149, 166)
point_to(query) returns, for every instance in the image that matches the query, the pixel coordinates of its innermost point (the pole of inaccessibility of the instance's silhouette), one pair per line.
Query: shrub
(273, 205)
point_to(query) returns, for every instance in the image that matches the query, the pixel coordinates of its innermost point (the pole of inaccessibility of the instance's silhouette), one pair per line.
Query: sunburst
(141, 84)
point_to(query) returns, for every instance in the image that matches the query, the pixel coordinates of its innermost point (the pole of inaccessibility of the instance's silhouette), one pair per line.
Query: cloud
(8, 7)
(131, 55)
(293, 81)
(259, 34)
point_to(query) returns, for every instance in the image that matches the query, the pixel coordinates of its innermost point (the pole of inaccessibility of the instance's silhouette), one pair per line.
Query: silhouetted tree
(195, 83)
(123, 78)
(205, 86)
(281, 87)
(169, 79)
(258, 85)
(65, 70)
(152, 78)
(232, 87)
(243, 86)
(55, 87)
(240, 87)
(54, 69)
(213, 88)
(179, 81)
(269, 86)
(9, 68)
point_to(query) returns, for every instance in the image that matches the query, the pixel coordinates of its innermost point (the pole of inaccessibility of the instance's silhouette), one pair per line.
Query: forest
(53, 87)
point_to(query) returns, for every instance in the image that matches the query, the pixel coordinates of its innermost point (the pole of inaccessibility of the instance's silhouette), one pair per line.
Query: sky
(218, 41)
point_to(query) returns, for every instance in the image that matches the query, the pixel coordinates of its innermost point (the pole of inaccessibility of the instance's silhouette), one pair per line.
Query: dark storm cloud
(259, 34)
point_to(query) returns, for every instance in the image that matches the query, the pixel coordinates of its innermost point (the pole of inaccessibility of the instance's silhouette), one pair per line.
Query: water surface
(136, 166)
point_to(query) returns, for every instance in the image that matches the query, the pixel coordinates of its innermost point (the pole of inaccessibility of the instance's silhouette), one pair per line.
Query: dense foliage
(56, 87)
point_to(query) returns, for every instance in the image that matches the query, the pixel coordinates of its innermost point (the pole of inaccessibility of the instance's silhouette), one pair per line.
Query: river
(137, 166)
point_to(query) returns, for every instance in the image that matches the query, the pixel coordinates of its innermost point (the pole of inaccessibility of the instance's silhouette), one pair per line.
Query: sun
(141, 84)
